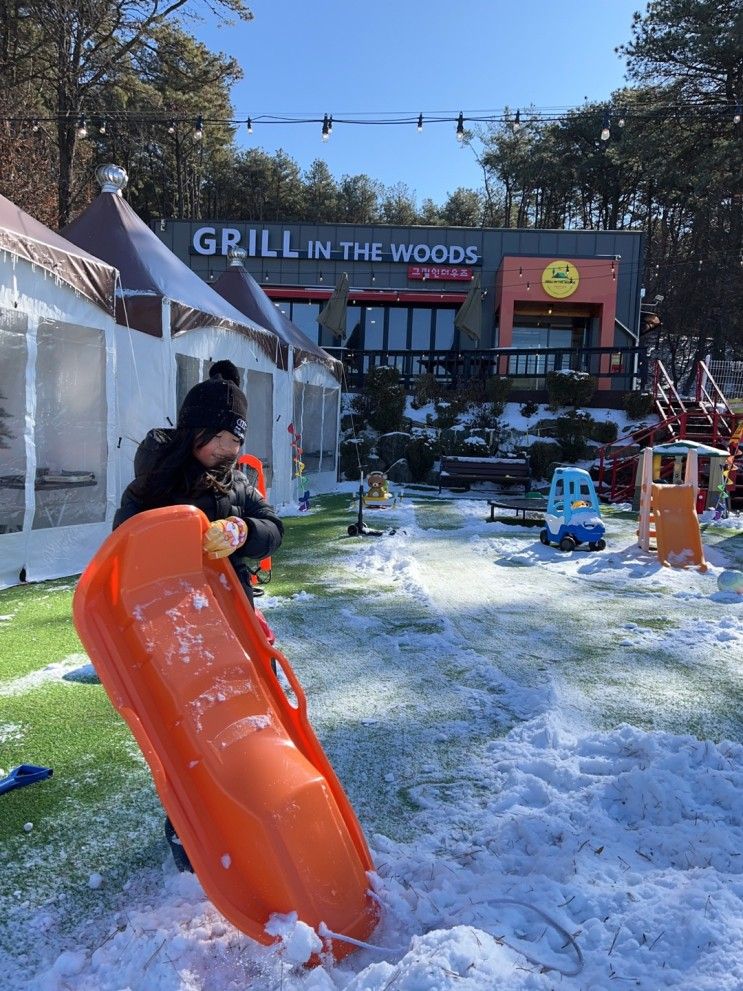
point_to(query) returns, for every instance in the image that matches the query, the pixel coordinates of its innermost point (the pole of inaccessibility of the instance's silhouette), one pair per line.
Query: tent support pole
(170, 376)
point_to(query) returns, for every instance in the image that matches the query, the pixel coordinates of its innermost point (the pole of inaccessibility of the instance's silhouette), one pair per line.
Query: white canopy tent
(170, 327)
(316, 376)
(58, 487)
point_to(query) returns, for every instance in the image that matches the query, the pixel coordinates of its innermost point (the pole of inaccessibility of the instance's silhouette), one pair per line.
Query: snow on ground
(75, 667)
(545, 753)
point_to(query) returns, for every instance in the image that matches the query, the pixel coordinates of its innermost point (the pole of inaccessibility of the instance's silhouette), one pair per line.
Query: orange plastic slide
(238, 768)
(677, 534)
(255, 462)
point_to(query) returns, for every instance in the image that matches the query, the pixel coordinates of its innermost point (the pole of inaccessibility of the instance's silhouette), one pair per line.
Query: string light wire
(704, 109)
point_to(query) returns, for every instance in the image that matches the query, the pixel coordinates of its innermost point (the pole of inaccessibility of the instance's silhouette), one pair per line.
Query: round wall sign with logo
(560, 279)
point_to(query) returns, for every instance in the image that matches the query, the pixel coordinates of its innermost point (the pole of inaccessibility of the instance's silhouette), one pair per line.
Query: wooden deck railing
(527, 367)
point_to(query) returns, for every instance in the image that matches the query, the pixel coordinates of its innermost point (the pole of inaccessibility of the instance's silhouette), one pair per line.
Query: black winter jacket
(265, 529)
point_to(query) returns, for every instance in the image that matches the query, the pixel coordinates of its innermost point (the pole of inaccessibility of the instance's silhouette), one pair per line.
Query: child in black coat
(195, 465)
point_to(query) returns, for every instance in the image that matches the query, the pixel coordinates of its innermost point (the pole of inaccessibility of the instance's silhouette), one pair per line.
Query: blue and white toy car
(573, 515)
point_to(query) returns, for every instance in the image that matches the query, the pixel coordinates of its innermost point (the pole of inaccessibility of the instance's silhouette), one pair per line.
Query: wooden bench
(501, 471)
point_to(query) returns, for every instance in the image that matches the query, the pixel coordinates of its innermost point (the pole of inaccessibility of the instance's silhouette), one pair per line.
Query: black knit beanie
(215, 405)
(226, 370)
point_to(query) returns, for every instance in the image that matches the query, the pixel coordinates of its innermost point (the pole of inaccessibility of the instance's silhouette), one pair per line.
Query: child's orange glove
(225, 536)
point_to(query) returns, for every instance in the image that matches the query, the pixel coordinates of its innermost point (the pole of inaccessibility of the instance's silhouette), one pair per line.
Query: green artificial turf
(98, 813)
(36, 627)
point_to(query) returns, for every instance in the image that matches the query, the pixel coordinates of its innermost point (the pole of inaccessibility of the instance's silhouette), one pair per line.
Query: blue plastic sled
(24, 774)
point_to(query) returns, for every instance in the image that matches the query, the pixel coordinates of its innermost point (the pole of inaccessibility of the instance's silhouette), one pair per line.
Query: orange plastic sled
(238, 768)
(677, 535)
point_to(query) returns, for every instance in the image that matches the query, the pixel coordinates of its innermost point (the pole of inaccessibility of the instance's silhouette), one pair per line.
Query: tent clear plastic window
(187, 375)
(13, 328)
(329, 430)
(70, 427)
(259, 437)
(315, 418)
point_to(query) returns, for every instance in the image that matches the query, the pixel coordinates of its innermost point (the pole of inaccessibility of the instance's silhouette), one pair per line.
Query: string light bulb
(198, 132)
(460, 127)
(420, 123)
(35, 125)
(516, 126)
(737, 114)
(171, 127)
(605, 129)
(622, 119)
(102, 126)
(330, 125)
(250, 126)
(82, 127)
(325, 128)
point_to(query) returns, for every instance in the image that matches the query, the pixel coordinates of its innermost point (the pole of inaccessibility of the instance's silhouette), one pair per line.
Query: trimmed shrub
(352, 423)
(570, 389)
(542, 454)
(497, 390)
(420, 458)
(572, 432)
(638, 404)
(456, 443)
(360, 408)
(426, 390)
(605, 431)
(447, 414)
(386, 399)
(392, 447)
(529, 409)
(485, 417)
(351, 452)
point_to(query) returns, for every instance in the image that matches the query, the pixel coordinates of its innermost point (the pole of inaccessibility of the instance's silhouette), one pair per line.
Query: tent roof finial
(237, 257)
(111, 178)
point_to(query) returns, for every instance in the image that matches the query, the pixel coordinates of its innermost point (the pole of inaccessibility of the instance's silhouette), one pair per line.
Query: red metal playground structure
(707, 418)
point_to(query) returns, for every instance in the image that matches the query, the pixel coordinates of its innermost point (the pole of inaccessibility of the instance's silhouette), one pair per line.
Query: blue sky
(350, 58)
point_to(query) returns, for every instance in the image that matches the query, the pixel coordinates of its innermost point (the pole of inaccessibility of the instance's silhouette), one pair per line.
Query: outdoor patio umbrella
(469, 314)
(333, 314)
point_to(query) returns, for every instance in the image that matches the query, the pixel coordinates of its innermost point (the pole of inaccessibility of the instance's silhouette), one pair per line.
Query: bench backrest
(488, 469)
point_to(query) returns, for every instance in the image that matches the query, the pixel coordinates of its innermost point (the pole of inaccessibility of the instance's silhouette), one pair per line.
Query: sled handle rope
(325, 933)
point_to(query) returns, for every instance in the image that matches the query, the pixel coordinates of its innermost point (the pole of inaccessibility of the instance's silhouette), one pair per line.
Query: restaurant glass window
(13, 327)
(71, 425)
(420, 338)
(397, 330)
(373, 328)
(539, 336)
(444, 332)
(353, 328)
(259, 434)
(305, 315)
(373, 318)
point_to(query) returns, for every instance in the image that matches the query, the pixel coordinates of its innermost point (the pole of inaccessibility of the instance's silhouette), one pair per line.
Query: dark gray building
(547, 299)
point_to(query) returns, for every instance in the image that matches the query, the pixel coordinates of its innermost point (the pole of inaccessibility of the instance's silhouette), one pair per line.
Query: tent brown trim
(150, 272)
(241, 290)
(29, 239)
